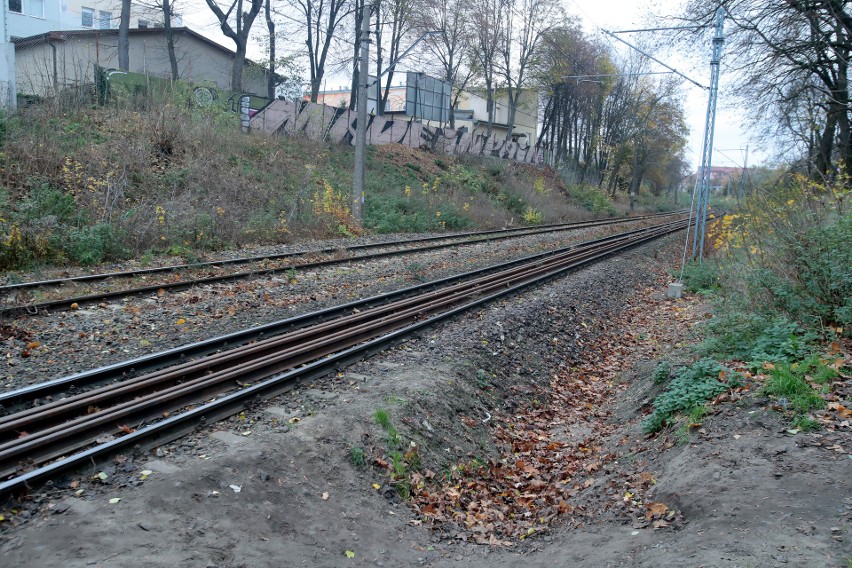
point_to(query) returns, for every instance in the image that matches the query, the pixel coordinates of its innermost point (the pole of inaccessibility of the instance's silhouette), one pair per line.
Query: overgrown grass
(792, 390)
(799, 386)
(85, 184)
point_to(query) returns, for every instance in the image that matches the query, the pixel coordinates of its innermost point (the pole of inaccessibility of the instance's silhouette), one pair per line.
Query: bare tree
(393, 21)
(170, 38)
(487, 23)
(165, 9)
(270, 28)
(239, 33)
(793, 56)
(526, 22)
(356, 68)
(450, 48)
(321, 22)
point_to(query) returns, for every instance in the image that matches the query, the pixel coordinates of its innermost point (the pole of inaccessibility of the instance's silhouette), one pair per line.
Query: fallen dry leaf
(655, 510)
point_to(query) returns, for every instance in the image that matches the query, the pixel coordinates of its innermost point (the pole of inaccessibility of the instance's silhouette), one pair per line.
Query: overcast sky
(729, 140)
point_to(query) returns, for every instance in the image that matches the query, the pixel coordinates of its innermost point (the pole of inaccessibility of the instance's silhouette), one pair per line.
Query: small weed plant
(404, 461)
(382, 418)
(358, 457)
(662, 372)
(692, 387)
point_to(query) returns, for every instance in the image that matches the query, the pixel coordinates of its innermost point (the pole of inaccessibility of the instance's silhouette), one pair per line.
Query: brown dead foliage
(556, 462)
(542, 466)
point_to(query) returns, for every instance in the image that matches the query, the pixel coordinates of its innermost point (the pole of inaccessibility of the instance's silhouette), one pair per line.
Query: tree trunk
(237, 69)
(124, 37)
(379, 61)
(489, 106)
(826, 142)
(270, 27)
(170, 38)
(356, 71)
(513, 108)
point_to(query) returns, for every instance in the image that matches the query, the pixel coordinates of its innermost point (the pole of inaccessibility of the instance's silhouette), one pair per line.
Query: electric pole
(357, 198)
(707, 149)
(742, 177)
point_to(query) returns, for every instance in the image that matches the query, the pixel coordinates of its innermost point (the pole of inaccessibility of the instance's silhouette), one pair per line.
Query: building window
(37, 8)
(16, 6)
(105, 20)
(143, 24)
(88, 20)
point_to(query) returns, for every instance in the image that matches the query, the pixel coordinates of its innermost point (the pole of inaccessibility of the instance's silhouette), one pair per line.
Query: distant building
(721, 177)
(26, 18)
(21, 19)
(51, 62)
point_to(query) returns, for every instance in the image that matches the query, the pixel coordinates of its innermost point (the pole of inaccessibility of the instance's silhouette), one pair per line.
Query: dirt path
(302, 481)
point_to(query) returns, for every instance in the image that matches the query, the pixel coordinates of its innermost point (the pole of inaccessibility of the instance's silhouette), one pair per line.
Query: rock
(60, 508)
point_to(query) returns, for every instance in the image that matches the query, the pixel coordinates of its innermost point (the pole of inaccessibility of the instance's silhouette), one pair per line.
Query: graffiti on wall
(329, 124)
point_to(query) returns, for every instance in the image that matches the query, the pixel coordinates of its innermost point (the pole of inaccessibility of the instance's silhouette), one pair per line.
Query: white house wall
(28, 24)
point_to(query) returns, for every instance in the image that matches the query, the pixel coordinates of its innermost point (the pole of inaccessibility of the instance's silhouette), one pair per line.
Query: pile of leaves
(553, 458)
(524, 491)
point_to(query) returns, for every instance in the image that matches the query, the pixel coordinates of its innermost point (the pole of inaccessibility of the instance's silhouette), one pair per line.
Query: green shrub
(92, 245)
(533, 216)
(592, 199)
(48, 204)
(691, 388)
(701, 276)
(401, 214)
(820, 289)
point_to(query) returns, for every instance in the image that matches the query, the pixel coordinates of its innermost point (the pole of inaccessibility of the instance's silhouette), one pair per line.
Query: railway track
(287, 261)
(40, 438)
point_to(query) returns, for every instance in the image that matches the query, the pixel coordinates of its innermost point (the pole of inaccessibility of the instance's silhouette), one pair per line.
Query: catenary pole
(356, 201)
(707, 147)
(742, 177)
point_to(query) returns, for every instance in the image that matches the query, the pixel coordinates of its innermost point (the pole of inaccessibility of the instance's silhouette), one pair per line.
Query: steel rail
(48, 443)
(174, 426)
(65, 304)
(297, 254)
(147, 363)
(58, 410)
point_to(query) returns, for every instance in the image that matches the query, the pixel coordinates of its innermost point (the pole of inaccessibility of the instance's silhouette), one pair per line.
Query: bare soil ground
(529, 409)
